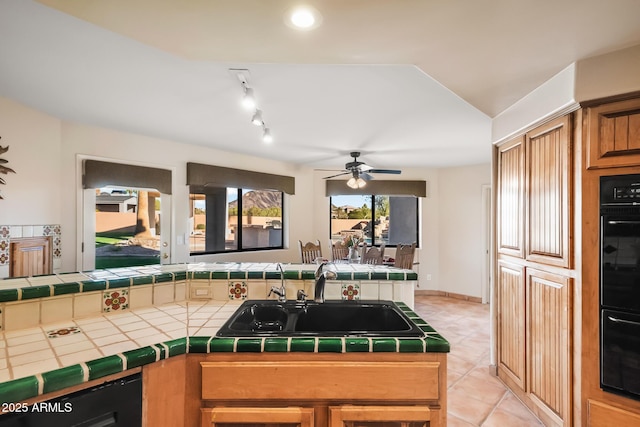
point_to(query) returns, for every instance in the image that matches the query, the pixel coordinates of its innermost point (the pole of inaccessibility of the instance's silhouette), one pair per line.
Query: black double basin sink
(268, 318)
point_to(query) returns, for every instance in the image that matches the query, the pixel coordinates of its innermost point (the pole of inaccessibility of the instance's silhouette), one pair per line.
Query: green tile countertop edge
(96, 280)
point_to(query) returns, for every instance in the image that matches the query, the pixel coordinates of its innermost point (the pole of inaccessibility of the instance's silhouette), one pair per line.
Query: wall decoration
(4, 169)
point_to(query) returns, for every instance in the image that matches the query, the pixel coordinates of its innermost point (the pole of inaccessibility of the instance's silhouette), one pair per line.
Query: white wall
(32, 194)
(461, 230)
(46, 153)
(610, 74)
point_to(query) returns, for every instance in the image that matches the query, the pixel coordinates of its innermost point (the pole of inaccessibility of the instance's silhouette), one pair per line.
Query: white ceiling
(410, 83)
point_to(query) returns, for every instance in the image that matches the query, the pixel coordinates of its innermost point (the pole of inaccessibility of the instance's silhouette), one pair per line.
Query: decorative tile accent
(57, 333)
(114, 300)
(55, 232)
(5, 235)
(238, 291)
(350, 291)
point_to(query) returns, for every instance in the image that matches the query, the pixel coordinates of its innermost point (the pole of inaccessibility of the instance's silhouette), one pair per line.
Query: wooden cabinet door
(548, 343)
(510, 297)
(549, 197)
(30, 256)
(613, 134)
(510, 198)
(257, 416)
(377, 416)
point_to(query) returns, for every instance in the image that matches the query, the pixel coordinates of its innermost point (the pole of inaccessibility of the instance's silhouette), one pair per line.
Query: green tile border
(62, 378)
(162, 277)
(199, 344)
(36, 292)
(94, 285)
(8, 295)
(99, 368)
(329, 345)
(356, 345)
(141, 280)
(66, 288)
(139, 357)
(177, 346)
(124, 282)
(307, 345)
(278, 344)
(20, 389)
(222, 345)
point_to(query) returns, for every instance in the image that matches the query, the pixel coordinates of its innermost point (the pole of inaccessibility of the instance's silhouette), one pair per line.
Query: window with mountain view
(235, 219)
(375, 219)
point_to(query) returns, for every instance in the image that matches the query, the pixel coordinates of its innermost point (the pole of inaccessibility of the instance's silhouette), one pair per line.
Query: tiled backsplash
(32, 301)
(8, 232)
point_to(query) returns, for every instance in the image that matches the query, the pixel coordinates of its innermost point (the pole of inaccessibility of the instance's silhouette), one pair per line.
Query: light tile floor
(475, 398)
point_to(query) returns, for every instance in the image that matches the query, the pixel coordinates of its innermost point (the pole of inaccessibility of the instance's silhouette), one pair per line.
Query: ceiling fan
(360, 172)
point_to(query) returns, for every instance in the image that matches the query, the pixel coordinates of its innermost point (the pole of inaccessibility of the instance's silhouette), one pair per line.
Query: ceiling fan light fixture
(356, 182)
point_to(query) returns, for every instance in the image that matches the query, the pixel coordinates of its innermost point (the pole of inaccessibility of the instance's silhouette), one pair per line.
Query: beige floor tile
(476, 397)
(501, 418)
(464, 406)
(453, 421)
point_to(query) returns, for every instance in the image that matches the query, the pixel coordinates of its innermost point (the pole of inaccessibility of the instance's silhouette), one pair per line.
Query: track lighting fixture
(249, 102)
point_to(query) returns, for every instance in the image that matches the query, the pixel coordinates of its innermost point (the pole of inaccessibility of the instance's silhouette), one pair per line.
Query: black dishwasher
(112, 404)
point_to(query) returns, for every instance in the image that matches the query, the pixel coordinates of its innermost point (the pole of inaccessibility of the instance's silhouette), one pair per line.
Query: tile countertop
(51, 357)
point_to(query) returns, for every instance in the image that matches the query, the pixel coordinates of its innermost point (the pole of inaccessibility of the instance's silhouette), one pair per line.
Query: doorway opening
(128, 230)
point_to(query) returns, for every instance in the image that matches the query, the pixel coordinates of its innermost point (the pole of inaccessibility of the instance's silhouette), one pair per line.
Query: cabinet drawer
(321, 380)
(603, 415)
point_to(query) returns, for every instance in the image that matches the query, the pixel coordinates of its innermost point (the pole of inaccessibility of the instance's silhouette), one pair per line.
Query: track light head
(249, 100)
(266, 136)
(257, 118)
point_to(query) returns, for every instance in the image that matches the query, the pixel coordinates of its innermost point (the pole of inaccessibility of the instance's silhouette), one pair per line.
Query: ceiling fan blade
(340, 174)
(366, 176)
(390, 171)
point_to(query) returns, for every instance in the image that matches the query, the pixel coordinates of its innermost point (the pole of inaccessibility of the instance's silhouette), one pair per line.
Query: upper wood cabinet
(613, 134)
(510, 198)
(548, 198)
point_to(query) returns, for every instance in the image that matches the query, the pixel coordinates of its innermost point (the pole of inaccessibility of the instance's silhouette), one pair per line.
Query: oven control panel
(627, 192)
(620, 190)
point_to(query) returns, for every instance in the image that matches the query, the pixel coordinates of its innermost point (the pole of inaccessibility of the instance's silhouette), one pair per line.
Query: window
(377, 219)
(235, 219)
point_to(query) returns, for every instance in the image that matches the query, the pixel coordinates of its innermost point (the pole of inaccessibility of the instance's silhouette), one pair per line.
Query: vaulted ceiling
(410, 83)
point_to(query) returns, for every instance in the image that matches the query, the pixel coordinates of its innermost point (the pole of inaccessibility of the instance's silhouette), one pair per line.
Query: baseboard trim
(427, 292)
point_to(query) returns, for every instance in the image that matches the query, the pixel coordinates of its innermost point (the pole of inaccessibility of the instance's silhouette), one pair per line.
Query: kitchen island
(168, 341)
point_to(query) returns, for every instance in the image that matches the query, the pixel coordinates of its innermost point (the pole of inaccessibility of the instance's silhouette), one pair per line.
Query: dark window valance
(199, 177)
(99, 174)
(375, 186)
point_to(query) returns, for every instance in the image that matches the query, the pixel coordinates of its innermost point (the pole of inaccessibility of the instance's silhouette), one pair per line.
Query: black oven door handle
(616, 320)
(616, 222)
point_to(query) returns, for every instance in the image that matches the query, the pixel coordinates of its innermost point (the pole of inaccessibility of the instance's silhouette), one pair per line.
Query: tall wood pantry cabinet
(534, 268)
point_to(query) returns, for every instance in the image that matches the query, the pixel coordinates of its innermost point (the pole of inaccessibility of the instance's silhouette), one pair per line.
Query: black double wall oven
(620, 284)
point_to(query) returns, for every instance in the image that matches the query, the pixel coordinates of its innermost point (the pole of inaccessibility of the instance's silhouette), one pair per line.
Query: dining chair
(372, 255)
(309, 251)
(339, 251)
(404, 256)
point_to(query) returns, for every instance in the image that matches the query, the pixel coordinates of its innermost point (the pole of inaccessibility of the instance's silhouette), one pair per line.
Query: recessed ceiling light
(303, 18)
